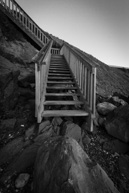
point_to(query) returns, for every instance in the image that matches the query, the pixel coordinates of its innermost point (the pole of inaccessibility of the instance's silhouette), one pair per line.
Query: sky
(98, 27)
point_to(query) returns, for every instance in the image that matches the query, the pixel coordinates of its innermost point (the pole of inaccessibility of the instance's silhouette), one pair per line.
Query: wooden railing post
(37, 88)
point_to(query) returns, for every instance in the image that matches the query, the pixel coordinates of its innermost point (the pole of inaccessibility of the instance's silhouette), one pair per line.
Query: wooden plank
(64, 113)
(62, 102)
(58, 82)
(57, 74)
(62, 94)
(59, 69)
(61, 88)
(60, 78)
(37, 90)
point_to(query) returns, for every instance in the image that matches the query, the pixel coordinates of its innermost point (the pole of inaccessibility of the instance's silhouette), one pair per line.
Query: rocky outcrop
(117, 123)
(63, 164)
(8, 89)
(105, 108)
(74, 131)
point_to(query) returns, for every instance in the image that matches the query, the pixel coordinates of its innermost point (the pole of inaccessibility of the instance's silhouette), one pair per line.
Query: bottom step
(64, 113)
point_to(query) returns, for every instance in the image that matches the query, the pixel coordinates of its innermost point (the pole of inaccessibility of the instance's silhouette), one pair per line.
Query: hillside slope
(15, 48)
(109, 79)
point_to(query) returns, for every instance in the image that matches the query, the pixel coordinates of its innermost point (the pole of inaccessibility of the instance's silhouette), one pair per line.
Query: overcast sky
(98, 27)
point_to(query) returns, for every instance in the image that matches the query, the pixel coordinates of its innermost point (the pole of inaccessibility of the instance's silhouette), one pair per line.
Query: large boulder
(117, 123)
(74, 131)
(62, 166)
(105, 108)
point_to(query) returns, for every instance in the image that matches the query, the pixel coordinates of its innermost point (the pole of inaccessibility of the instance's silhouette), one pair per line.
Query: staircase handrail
(42, 63)
(12, 9)
(90, 63)
(41, 54)
(84, 72)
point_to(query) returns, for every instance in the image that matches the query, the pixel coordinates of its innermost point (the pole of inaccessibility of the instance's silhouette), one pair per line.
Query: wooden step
(59, 63)
(58, 82)
(61, 88)
(62, 94)
(60, 78)
(59, 66)
(62, 102)
(57, 74)
(65, 69)
(64, 113)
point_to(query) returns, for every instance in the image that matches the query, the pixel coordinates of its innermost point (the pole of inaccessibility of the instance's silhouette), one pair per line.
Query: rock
(27, 81)
(117, 101)
(108, 146)
(120, 96)
(86, 140)
(22, 180)
(96, 119)
(120, 147)
(116, 146)
(43, 125)
(9, 151)
(105, 107)
(8, 89)
(20, 163)
(101, 121)
(68, 119)
(74, 131)
(8, 124)
(29, 132)
(85, 127)
(124, 165)
(117, 123)
(27, 157)
(27, 93)
(101, 140)
(56, 122)
(62, 166)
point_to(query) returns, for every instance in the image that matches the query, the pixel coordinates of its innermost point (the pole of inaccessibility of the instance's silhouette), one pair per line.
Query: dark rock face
(124, 165)
(8, 89)
(116, 146)
(117, 123)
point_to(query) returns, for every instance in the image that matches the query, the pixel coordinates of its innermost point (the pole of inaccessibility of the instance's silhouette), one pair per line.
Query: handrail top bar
(42, 53)
(56, 48)
(77, 53)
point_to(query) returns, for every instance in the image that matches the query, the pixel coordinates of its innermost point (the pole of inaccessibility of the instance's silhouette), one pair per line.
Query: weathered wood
(64, 113)
(58, 82)
(60, 78)
(63, 102)
(37, 89)
(94, 90)
(62, 166)
(62, 94)
(61, 88)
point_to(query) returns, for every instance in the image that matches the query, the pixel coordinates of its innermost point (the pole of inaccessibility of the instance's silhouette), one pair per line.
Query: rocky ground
(21, 136)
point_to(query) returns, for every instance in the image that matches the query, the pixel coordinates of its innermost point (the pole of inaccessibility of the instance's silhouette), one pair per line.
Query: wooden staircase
(62, 97)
